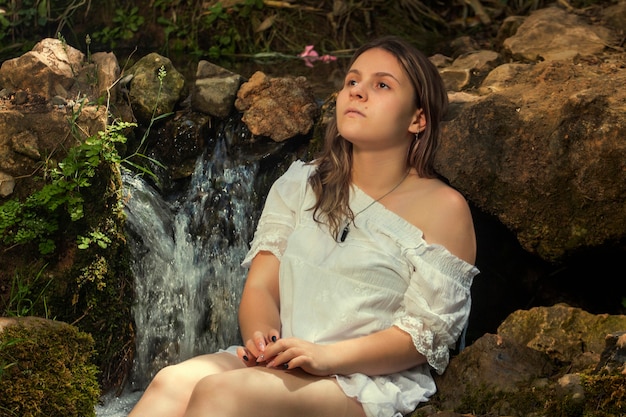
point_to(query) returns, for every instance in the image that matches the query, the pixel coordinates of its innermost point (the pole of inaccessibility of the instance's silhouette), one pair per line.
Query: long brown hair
(332, 179)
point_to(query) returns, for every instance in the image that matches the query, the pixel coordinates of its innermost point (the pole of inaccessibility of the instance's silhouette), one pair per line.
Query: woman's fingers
(282, 351)
(246, 356)
(295, 353)
(259, 341)
(257, 345)
(274, 335)
(282, 360)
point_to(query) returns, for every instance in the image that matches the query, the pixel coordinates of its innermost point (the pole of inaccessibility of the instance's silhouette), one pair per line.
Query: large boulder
(542, 361)
(541, 146)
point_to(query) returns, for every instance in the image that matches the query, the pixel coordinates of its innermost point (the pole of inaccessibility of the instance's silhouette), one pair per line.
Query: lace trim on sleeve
(436, 303)
(280, 212)
(269, 237)
(437, 356)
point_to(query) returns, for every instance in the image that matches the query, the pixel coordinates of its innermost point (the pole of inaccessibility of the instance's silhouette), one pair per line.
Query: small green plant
(95, 236)
(6, 360)
(129, 160)
(225, 40)
(126, 24)
(22, 23)
(38, 218)
(27, 296)
(5, 25)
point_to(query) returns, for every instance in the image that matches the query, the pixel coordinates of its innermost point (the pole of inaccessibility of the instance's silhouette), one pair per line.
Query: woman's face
(376, 106)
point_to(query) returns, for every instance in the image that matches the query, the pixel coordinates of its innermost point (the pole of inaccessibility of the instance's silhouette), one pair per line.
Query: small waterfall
(186, 255)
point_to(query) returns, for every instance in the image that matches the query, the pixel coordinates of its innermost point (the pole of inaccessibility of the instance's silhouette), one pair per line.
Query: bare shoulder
(444, 216)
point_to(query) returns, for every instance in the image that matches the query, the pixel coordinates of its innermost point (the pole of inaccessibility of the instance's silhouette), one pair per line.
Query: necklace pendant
(344, 233)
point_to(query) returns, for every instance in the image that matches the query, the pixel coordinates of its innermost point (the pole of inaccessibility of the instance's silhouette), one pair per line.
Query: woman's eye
(351, 82)
(383, 85)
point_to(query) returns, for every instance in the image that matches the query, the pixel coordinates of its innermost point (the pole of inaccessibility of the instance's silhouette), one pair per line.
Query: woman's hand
(293, 353)
(253, 353)
(380, 353)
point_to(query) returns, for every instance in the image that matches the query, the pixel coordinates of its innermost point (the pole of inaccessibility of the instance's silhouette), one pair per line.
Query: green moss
(91, 287)
(526, 401)
(605, 394)
(45, 371)
(97, 289)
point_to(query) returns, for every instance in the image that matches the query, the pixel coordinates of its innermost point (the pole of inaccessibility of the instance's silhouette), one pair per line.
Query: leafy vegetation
(38, 218)
(74, 222)
(126, 24)
(220, 29)
(27, 295)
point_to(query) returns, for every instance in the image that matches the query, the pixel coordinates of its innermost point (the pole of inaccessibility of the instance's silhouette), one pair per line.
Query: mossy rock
(45, 369)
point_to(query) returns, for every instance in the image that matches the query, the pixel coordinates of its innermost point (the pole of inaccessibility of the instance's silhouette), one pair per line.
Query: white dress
(384, 274)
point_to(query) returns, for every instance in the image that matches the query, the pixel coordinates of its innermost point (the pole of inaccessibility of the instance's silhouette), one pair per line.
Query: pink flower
(309, 51)
(310, 55)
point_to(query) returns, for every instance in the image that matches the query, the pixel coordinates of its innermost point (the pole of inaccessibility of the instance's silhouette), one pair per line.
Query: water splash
(186, 252)
(186, 262)
(186, 257)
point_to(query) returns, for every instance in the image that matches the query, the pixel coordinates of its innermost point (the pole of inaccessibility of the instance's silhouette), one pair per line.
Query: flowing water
(186, 253)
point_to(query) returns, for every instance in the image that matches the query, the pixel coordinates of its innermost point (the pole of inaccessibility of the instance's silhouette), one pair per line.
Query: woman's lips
(353, 111)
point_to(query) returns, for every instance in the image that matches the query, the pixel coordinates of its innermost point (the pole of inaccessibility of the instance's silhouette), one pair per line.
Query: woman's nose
(357, 92)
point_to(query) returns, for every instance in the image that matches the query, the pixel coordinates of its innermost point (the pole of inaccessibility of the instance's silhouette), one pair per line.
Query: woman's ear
(418, 123)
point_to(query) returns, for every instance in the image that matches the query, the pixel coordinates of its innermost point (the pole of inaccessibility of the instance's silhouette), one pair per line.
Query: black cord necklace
(346, 229)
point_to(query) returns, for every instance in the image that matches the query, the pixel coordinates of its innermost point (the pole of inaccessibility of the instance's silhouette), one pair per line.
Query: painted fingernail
(261, 357)
(286, 365)
(273, 338)
(245, 358)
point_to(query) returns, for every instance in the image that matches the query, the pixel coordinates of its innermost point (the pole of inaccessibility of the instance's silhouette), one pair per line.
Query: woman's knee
(168, 377)
(189, 372)
(223, 386)
(216, 393)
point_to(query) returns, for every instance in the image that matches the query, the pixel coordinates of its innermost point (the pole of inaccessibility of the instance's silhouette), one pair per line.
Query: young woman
(360, 268)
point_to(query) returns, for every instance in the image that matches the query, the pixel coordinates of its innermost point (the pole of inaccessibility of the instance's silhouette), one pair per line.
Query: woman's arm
(259, 310)
(384, 352)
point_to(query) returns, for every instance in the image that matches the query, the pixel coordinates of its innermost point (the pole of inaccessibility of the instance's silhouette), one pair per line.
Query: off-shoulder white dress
(384, 274)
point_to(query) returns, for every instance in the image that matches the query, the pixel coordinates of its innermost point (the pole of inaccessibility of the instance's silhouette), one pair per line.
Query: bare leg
(265, 392)
(170, 390)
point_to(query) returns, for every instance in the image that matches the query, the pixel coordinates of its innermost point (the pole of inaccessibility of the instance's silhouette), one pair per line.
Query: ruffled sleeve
(280, 212)
(437, 302)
